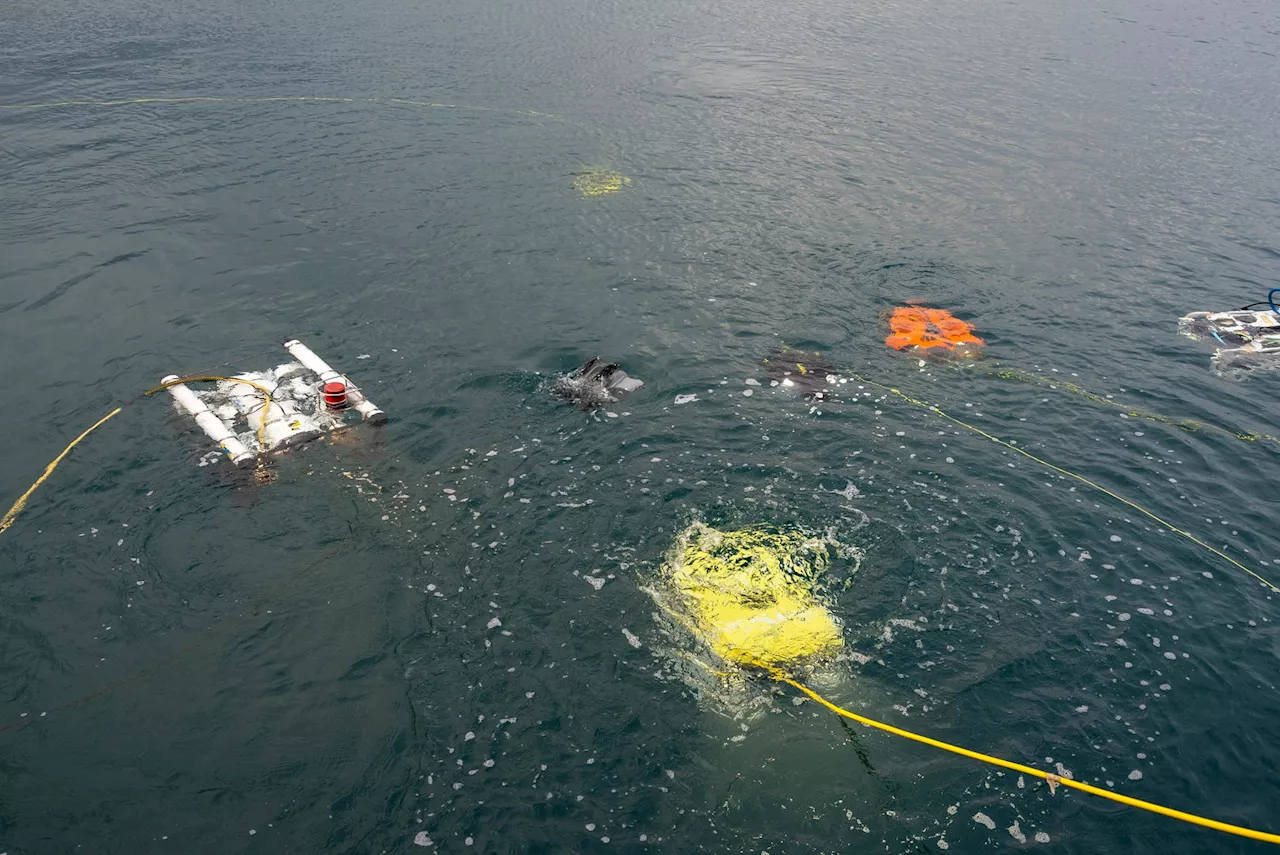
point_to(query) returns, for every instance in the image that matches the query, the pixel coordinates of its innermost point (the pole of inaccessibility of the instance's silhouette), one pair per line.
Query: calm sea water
(355, 659)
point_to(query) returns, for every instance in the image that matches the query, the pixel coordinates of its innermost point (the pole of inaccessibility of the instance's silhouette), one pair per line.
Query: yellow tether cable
(1188, 535)
(1051, 778)
(1134, 412)
(12, 514)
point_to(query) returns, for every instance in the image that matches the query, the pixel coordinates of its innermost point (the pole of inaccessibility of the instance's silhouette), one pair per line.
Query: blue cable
(1271, 299)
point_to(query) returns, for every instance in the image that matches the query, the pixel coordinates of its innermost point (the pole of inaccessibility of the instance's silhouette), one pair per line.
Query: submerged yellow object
(750, 595)
(599, 181)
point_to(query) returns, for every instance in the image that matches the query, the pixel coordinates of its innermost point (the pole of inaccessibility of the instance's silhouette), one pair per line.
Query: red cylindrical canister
(335, 394)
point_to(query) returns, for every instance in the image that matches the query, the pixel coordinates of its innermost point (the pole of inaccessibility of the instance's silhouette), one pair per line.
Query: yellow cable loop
(1053, 779)
(1083, 480)
(12, 514)
(209, 378)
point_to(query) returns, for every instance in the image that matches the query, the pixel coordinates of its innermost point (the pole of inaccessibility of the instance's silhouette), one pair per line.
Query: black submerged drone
(595, 384)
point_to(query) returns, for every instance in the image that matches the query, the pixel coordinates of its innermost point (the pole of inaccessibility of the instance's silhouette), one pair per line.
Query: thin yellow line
(1133, 412)
(198, 99)
(1080, 478)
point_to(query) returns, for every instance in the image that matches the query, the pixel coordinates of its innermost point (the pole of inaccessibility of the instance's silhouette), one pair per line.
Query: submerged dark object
(595, 384)
(803, 370)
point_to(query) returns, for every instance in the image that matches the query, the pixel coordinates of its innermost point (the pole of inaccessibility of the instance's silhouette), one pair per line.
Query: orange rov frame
(932, 330)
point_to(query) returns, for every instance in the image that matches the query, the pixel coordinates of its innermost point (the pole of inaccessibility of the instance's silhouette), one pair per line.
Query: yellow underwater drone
(751, 596)
(753, 599)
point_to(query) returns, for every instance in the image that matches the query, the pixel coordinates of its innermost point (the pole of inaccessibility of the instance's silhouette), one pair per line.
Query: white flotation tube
(217, 430)
(355, 397)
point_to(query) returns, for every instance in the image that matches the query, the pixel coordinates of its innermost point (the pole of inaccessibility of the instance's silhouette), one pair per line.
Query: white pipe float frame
(307, 357)
(217, 430)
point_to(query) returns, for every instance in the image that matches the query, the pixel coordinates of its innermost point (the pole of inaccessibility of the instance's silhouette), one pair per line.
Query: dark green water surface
(355, 659)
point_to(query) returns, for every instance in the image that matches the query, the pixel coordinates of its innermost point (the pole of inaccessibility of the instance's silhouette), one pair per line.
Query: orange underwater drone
(931, 331)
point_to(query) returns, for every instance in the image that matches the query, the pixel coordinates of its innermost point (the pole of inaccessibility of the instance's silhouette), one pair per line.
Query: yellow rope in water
(12, 514)
(1083, 480)
(1054, 780)
(1034, 379)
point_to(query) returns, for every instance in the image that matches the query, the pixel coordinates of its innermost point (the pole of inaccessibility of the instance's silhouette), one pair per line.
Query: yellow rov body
(750, 595)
